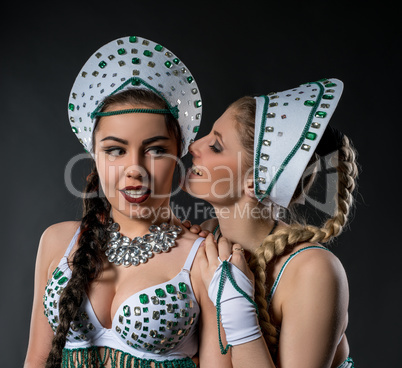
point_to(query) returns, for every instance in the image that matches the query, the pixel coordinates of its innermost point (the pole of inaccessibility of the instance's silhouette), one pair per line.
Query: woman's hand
(195, 229)
(213, 253)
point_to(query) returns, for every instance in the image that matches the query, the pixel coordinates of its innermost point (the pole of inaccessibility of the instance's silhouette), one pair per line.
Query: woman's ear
(249, 187)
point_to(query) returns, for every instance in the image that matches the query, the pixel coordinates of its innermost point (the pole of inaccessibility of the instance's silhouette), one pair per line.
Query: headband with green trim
(288, 128)
(134, 62)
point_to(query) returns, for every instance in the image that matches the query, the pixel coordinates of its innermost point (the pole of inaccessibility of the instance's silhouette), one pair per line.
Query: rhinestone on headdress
(121, 250)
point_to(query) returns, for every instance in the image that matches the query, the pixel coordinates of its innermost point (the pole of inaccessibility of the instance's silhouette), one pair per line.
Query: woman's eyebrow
(153, 139)
(122, 141)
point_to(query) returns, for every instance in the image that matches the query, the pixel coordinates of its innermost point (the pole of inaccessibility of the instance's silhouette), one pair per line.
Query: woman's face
(135, 159)
(217, 174)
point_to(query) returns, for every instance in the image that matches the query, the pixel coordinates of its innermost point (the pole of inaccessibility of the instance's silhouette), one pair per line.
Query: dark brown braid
(87, 264)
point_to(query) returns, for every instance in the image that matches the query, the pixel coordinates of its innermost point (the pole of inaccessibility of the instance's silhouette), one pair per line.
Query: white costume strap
(72, 243)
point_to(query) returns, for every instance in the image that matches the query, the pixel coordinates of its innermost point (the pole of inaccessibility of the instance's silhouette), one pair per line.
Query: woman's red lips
(137, 194)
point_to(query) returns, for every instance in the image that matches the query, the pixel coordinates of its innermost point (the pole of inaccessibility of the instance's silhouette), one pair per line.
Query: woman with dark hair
(122, 287)
(260, 160)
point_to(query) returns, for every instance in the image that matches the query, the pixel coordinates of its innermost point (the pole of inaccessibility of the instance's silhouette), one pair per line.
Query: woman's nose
(193, 148)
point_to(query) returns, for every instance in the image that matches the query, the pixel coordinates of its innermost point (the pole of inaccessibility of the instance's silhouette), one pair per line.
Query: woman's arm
(313, 299)
(209, 352)
(252, 353)
(51, 248)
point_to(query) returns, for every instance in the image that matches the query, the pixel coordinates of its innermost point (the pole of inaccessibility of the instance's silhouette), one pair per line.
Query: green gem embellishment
(121, 51)
(328, 97)
(133, 39)
(176, 61)
(126, 311)
(195, 130)
(170, 289)
(158, 47)
(144, 299)
(58, 275)
(71, 107)
(311, 135)
(320, 114)
(62, 280)
(168, 64)
(309, 103)
(330, 85)
(148, 53)
(160, 293)
(198, 103)
(135, 60)
(102, 64)
(190, 79)
(182, 287)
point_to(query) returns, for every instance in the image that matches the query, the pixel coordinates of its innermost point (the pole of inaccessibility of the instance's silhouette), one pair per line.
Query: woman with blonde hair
(259, 160)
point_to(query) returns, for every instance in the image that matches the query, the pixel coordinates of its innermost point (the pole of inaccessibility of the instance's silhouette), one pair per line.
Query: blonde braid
(277, 243)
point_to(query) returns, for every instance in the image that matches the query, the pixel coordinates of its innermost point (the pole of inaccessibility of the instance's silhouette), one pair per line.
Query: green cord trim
(135, 81)
(269, 297)
(90, 357)
(128, 111)
(226, 272)
(257, 156)
(295, 148)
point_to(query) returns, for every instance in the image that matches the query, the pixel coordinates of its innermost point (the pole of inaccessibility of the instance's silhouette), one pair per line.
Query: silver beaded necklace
(121, 250)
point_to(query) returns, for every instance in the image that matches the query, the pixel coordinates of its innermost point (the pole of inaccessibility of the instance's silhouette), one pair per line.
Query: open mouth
(135, 194)
(196, 171)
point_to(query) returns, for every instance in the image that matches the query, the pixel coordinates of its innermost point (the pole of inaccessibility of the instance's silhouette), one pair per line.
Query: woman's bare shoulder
(55, 240)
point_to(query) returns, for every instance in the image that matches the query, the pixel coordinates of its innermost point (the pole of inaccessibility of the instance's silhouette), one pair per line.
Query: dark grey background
(232, 51)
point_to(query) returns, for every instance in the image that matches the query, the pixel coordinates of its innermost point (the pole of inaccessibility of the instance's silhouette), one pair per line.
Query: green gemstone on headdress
(102, 64)
(190, 79)
(135, 60)
(144, 299)
(311, 135)
(309, 103)
(330, 85)
(196, 129)
(75, 130)
(158, 47)
(182, 287)
(133, 39)
(160, 293)
(176, 61)
(121, 51)
(126, 311)
(198, 103)
(328, 97)
(71, 107)
(148, 53)
(320, 114)
(168, 64)
(170, 289)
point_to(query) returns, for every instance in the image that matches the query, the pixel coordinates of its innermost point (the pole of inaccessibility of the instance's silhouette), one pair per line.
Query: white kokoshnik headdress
(288, 128)
(130, 62)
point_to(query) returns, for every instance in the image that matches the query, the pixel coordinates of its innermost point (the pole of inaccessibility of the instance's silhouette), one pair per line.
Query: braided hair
(87, 263)
(285, 239)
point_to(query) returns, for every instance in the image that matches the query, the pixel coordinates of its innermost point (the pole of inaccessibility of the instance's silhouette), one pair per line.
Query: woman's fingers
(239, 260)
(225, 248)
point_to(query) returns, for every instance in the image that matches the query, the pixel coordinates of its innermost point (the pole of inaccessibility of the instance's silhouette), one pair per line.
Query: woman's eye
(156, 151)
(216, 147)
(114, 151)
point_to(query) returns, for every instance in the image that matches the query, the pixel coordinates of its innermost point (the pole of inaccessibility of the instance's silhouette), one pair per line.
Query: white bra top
(155, 323)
